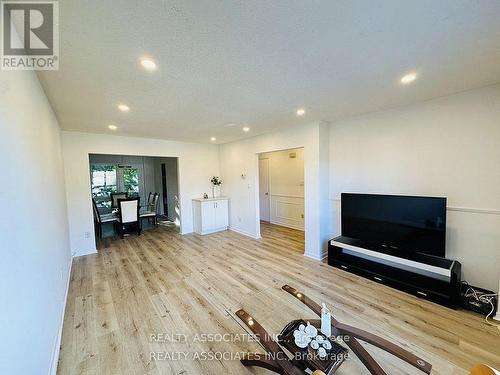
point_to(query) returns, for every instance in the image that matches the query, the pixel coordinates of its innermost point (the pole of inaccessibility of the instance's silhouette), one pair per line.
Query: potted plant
(216, 183)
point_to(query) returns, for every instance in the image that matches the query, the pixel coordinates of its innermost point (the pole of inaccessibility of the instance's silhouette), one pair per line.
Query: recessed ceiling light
(408, 78)
(123, 107)
(213, 139)
(148, 64)
(300, 112)
(112, 127)
(246, 129)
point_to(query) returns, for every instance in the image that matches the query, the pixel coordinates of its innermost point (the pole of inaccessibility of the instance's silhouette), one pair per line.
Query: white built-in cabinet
(210, 215)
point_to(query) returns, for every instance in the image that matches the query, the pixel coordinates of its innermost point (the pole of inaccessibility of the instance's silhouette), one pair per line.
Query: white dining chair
(152, 210)
(150, 200)
(128, 216)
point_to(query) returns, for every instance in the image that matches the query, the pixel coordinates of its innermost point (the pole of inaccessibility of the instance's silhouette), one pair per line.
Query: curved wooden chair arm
(282, 364)
(386, 345)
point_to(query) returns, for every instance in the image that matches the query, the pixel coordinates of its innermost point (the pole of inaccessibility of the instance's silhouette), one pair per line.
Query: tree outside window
(131, 181)
(103, 183)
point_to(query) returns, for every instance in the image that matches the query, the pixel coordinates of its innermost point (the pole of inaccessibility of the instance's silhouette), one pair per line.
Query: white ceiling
(253, 63)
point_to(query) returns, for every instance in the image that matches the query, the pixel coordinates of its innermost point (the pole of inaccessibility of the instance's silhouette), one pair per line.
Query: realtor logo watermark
(30, 35)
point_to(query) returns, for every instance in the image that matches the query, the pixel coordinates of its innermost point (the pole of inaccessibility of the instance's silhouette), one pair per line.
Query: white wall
(445, 147)
(286, 187)
(34, 244)
(197, 163)
(241, 157)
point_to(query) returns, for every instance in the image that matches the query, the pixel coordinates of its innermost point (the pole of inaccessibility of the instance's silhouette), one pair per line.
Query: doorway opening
(281, 195)
(153, 180)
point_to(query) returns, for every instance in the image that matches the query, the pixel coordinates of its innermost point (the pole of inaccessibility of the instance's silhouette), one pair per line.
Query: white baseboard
(322, 258)
(286, 225)
(85, 252)
(497, 316)
(213, 231)
(57, 346)
(245, 233)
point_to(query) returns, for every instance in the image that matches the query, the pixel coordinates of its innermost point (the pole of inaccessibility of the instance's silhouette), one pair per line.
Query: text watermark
(30, 35)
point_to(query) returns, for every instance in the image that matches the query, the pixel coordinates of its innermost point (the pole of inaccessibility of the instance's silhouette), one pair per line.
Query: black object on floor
(481, 301)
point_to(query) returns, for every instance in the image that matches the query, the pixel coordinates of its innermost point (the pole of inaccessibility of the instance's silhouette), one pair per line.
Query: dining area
(127, 214)
(132, 193)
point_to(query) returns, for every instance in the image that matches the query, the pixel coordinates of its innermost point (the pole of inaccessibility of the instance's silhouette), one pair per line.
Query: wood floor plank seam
(162, 281)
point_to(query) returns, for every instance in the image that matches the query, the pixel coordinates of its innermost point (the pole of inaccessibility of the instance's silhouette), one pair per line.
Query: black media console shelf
(433, 278)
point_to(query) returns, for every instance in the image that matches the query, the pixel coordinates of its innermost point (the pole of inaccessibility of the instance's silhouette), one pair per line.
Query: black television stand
(433, 278)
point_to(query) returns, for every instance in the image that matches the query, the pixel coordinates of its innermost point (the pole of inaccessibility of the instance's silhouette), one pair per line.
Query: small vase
(215, 191)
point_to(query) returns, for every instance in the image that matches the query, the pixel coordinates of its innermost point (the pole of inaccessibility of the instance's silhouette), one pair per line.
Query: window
(103, 183)
(131, 181)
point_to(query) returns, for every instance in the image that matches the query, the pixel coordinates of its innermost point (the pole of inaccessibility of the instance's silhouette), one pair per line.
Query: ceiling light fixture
(300, 112)
(148, 64)
(112, 127)
(246, 129)
(123, 107)
(408, 78)
(213, 139)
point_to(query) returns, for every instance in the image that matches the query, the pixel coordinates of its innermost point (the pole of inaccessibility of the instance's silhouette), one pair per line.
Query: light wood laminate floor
(130, 305)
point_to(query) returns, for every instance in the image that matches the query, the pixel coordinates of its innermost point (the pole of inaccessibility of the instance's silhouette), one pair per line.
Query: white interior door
(264, 197)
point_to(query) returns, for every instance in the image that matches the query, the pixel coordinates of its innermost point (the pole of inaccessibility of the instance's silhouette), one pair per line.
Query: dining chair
(150, 200)
(152, 210)
(100, 219)
(115, 197)
(128, 216)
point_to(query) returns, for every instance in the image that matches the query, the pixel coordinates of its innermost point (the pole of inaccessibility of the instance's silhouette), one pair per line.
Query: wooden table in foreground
(278, 361)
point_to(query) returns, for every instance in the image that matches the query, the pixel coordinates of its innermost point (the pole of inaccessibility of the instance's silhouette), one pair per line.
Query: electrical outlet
(87, 234)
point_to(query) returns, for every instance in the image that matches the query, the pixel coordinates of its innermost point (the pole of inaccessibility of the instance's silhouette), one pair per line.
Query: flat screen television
(402, 225)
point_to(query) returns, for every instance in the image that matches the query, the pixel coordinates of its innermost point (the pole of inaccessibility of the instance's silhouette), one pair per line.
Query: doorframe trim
(269, 185)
